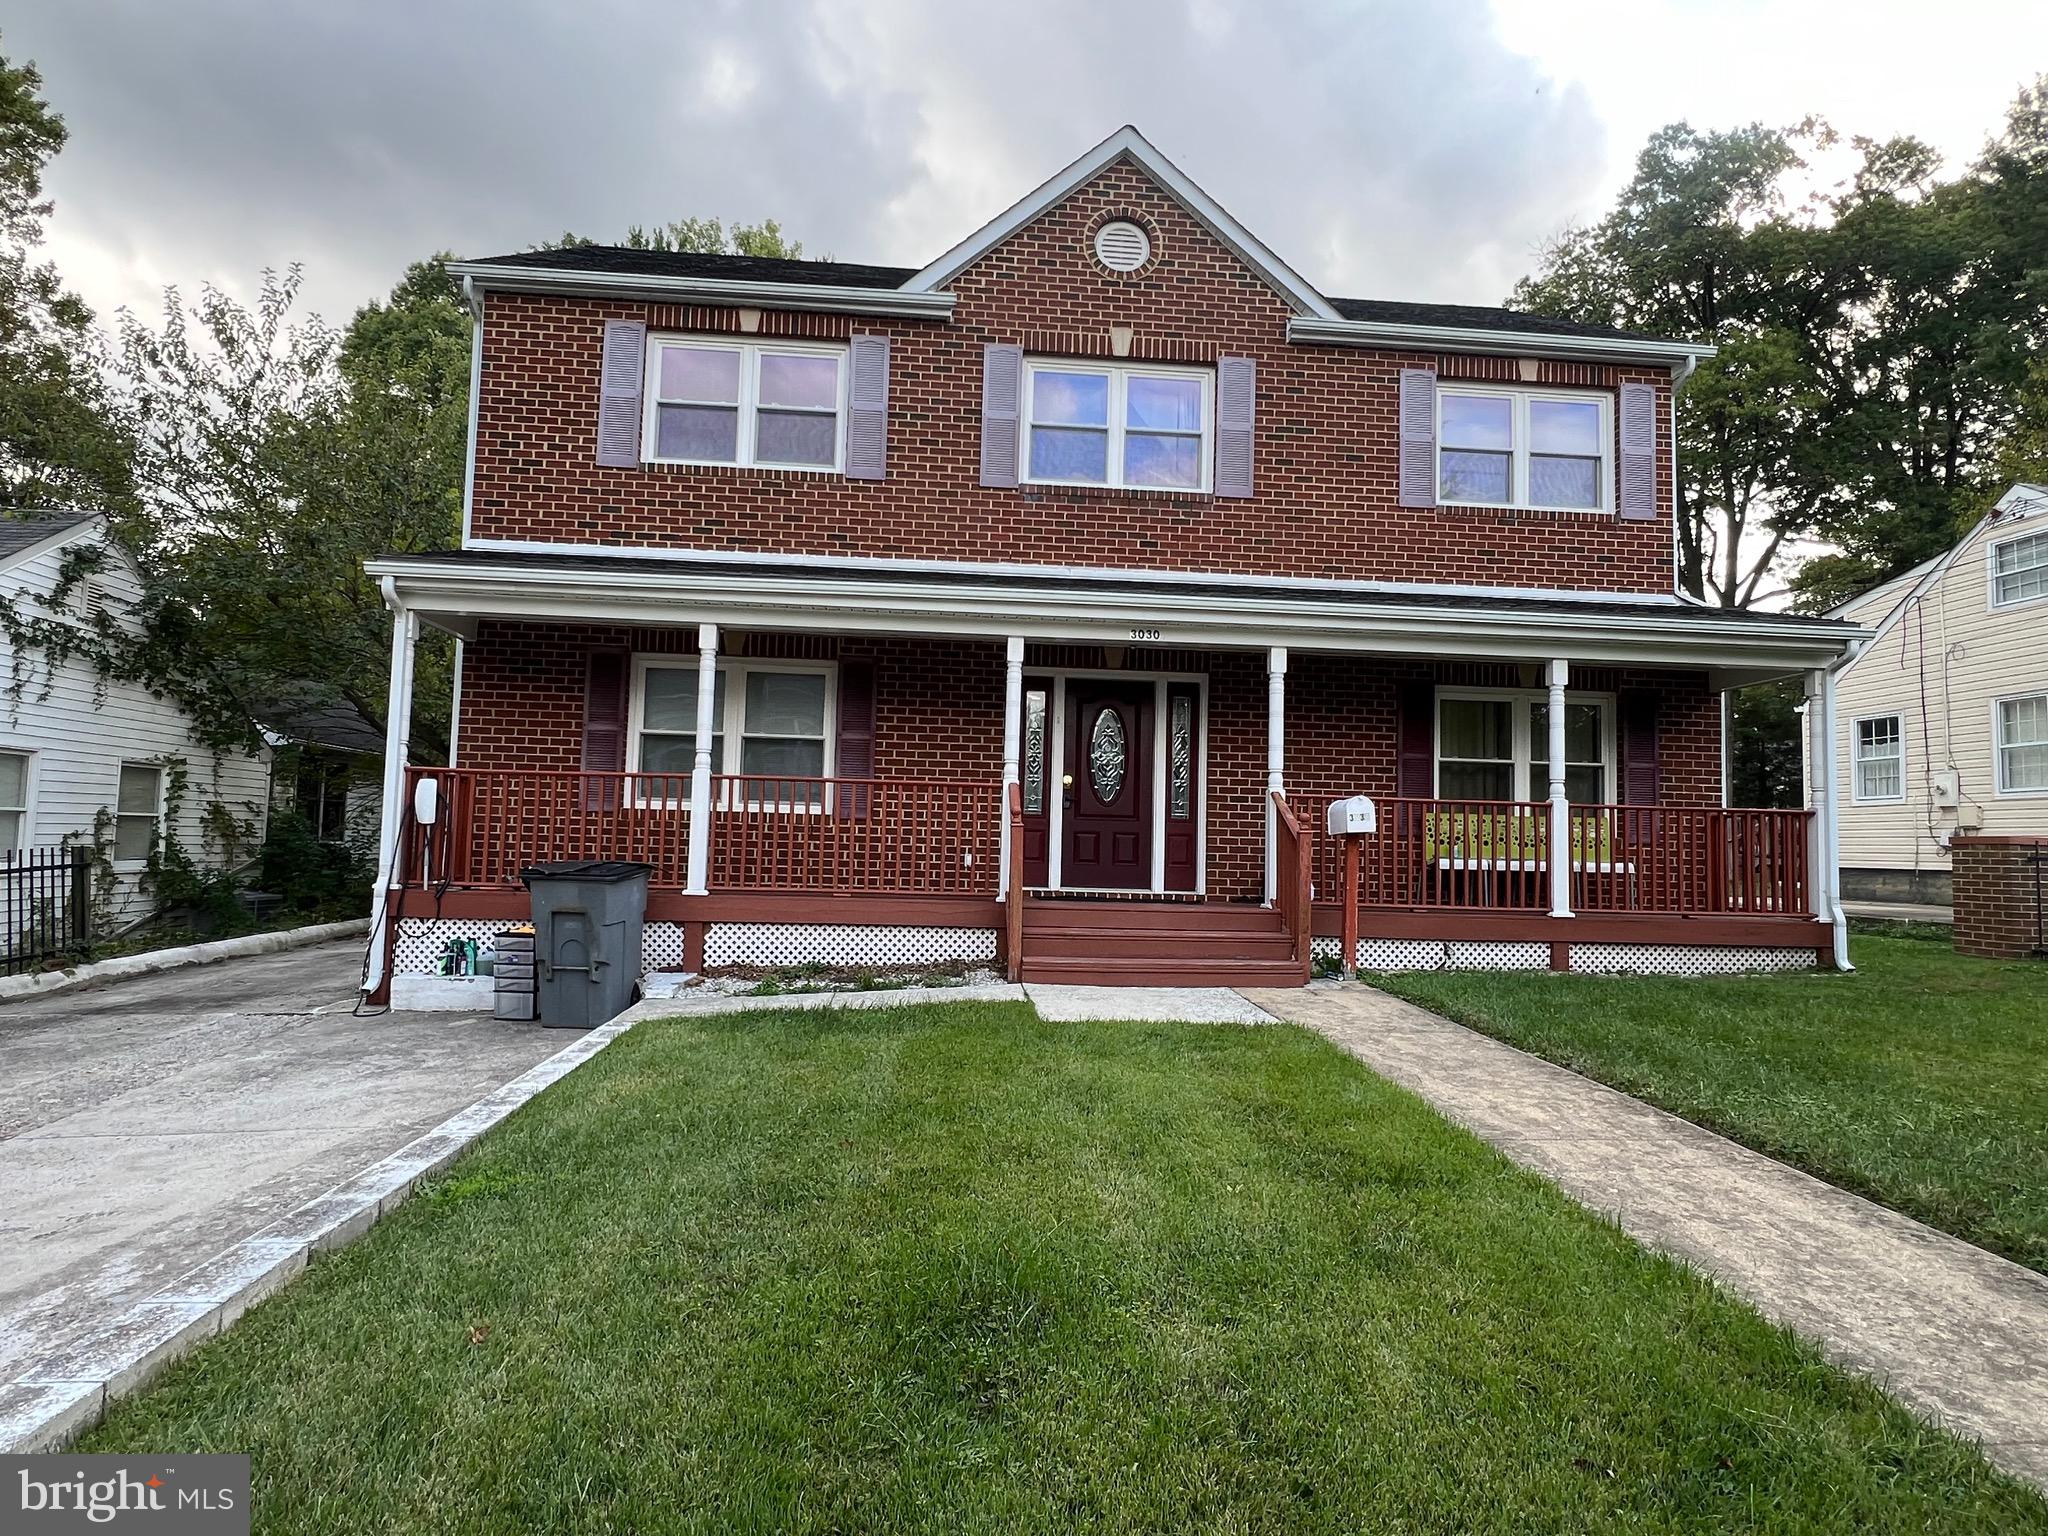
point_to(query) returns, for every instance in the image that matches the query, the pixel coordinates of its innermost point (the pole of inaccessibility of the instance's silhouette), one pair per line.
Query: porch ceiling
(457, 589)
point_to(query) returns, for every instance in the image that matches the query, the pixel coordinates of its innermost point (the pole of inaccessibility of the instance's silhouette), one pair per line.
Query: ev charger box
(1354, 817)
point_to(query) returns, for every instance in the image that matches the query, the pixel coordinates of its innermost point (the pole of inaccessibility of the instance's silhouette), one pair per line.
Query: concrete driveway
(146, 1125)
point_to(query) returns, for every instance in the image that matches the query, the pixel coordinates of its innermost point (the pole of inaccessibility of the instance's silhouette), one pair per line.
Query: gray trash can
(587, 919)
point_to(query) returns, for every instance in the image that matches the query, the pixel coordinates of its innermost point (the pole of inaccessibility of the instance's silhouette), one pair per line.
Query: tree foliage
(706, 235)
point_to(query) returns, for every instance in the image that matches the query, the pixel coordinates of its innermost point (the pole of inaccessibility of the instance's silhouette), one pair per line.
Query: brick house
(1038, 602)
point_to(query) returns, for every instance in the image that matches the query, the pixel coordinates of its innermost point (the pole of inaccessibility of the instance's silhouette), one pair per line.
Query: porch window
(769, 720)
(2023, 745)
(1495, 745)
(1880, 753)
(2019, 570)
(762, 405)
(1542, 449)
(138, 812)
(1107, 425)
(13, 799)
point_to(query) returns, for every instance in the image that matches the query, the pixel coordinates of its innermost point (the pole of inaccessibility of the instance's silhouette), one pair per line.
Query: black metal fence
(45, 906)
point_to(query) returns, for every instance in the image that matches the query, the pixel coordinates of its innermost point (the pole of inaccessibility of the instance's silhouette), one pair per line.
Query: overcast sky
(1413, 150)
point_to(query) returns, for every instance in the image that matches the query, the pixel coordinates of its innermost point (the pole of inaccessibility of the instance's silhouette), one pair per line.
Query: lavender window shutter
(1418, 437)
(618, 404)
(1638, 450)
(867, 424)
(1002, 390)
(1236, 390)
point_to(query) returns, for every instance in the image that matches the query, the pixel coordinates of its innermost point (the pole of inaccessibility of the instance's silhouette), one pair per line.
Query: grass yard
(952, 1269)
(1920, 1081)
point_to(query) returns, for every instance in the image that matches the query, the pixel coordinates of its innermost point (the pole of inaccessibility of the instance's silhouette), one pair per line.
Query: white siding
(78, 736)
(1939, 668)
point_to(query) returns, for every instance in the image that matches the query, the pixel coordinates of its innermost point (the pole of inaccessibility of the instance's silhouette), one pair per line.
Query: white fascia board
(649, 288)
(1077, 574)
(1403, 337)
(1204, 209)
(1195, 620)
(70, 533)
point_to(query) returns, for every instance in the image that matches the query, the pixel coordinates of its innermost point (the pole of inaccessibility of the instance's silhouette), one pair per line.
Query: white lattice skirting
(420, 941)
(843, 944)
(1599, 959)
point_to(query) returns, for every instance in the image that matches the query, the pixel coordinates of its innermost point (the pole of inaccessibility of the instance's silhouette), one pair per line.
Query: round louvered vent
(1122, 246)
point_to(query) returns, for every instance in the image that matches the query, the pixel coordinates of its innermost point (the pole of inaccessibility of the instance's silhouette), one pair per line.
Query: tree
(58, 445)
(1764, 755)
(706, 235)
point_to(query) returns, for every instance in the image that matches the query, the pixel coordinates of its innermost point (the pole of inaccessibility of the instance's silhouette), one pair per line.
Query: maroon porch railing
(1293, 862)
(819, 835)
(1494, 856)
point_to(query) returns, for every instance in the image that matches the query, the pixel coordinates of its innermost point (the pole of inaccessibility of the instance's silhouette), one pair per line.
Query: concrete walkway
(1956, 1333)
(146, 1125)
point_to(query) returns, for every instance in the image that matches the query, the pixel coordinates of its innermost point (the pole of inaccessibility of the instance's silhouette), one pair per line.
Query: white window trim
(1525, 766)
(1119, 376)
(1998, 746)
(1518, 450)
(1991, 579)
(28, 796)
(750, 355)
(732, 727)
(1856, 795)
(128, 866)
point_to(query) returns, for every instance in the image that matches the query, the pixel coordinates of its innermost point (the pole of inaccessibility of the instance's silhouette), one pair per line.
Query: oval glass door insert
(1106, 755)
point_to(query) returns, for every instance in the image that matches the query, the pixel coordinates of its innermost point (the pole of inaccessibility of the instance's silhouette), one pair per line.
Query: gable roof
(1128, 144)
(19, 536)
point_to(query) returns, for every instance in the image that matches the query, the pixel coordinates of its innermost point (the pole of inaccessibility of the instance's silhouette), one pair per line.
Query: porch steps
(1169, 944)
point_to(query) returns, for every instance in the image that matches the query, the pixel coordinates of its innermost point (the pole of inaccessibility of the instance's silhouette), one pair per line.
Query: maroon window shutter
(1638, 730)
(1638, 451)
(1418, 437)
(1236, 392)
(604, 711)
(854, 748)
(1415, 747)
(867, 422)
(618, 401)
(1002, 394)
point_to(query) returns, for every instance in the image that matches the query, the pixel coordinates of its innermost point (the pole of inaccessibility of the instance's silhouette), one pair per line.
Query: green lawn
(1920, 1081)
(954, 1270)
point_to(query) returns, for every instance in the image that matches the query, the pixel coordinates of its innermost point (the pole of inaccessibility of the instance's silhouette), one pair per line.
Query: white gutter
(823, 297)
(1456, 338)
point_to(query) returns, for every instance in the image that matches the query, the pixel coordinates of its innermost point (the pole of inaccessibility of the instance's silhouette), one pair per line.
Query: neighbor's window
(2019, 570)
(1496, 746)
(1880, 759)
(2023, 744)
(767, 720)
(138, 812)
(761, 404)
(1523, 448)
(1143, 428)
(13, 798)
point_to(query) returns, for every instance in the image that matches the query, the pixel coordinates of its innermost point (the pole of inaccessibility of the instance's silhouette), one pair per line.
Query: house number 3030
(1144, 632)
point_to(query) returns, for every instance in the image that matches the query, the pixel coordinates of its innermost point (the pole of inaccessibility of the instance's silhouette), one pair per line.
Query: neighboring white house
(1943, 716)
(73, 746)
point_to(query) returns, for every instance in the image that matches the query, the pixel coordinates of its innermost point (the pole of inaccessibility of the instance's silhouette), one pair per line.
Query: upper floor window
(1122, 426)
(2022, 744)
(762, 405)
(2019, 570)
(1524, 448)
(1880, 754)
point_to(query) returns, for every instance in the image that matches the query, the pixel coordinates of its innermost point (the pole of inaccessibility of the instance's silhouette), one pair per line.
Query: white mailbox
(1354, 817)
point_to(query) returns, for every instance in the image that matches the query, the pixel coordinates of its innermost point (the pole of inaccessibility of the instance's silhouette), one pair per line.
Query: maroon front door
(1106, 842)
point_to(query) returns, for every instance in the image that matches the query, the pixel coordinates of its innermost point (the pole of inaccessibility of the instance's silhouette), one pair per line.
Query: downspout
(1831, 832)
(397, 737)
(475, 300)
(1680, 372)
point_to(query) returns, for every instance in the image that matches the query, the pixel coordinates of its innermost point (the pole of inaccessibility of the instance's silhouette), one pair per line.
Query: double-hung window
(2019, 570)
(2022, 744)
(761, 405)
(1880, 753)
(1495, 745)
(1542, 450)
(1132, 428)
(768, 720)
(138, 812)
(13, 799)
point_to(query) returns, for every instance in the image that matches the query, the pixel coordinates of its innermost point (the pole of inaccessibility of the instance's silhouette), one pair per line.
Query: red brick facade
(2001, 888)
(1325, 457)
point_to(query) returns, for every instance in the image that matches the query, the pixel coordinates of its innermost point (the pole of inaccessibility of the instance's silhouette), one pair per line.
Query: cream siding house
(72, 748)
(1943, 716)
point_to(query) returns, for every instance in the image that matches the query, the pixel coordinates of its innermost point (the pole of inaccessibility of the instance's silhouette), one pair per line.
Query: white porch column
(405, 637)
(1821, 848)
(700, 769)
(1013, 748)
(1560, 801)
(1276, 760)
